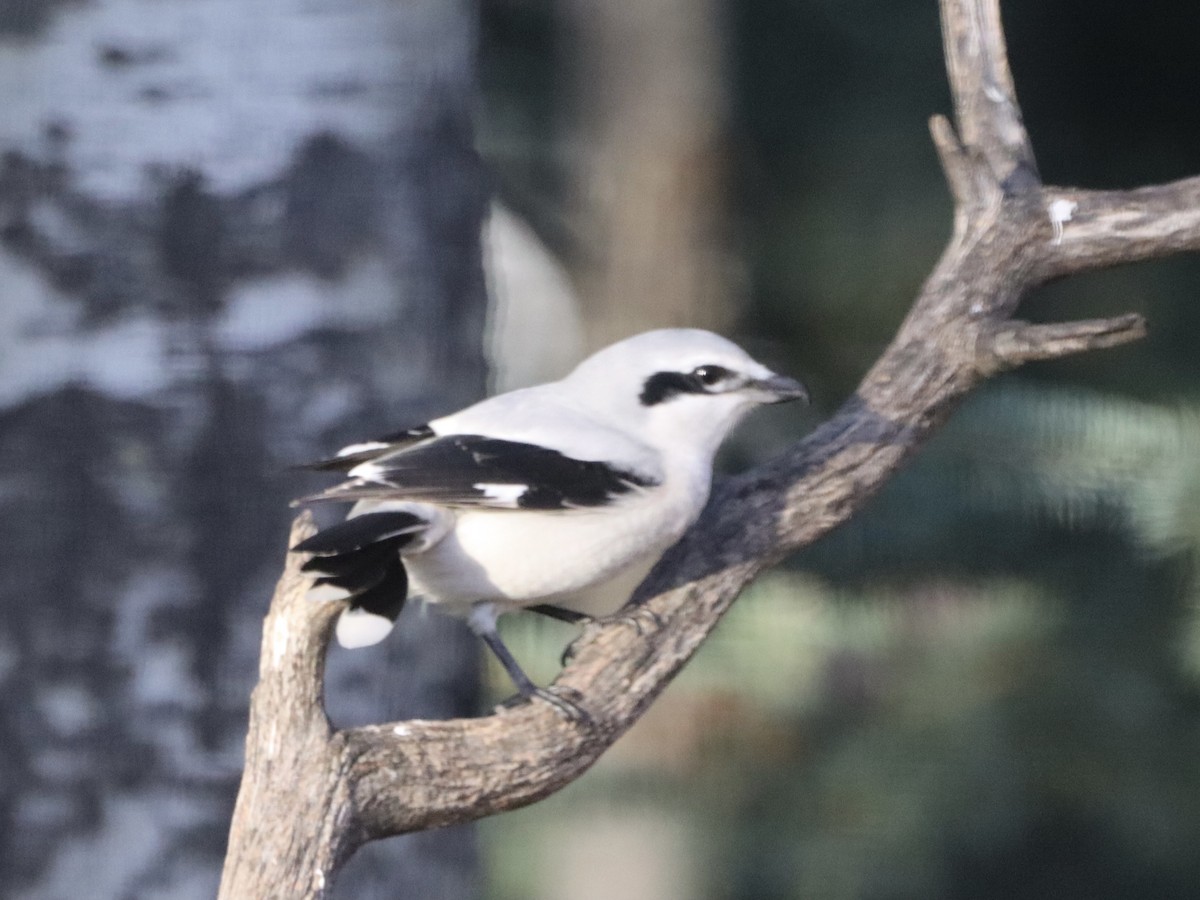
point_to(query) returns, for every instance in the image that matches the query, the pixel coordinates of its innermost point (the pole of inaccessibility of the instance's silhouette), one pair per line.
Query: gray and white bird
(558, 497)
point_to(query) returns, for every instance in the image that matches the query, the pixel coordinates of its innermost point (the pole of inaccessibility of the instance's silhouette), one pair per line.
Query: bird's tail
(359, 560)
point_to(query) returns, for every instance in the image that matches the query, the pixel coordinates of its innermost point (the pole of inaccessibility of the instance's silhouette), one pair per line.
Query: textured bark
(1011, 233)
(231, 235)
(289, 694)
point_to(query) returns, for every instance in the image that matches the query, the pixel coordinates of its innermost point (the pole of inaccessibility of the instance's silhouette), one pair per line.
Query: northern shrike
(553, 497)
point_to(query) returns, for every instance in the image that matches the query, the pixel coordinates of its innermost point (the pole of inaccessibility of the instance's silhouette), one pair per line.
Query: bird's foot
(589, 629)
(640, 618)
(566, 706)
(568, 654)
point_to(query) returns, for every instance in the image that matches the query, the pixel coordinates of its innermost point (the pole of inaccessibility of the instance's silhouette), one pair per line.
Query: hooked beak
(782, 389)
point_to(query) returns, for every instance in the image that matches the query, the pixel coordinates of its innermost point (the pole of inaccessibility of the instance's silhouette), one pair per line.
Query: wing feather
(356, 454)
(482, 472)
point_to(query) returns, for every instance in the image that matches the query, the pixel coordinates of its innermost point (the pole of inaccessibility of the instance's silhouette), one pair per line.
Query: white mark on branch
(272, 740)
(994, 93)
(319, 879)
(401, 730)
(279, 641)
(1061, 211)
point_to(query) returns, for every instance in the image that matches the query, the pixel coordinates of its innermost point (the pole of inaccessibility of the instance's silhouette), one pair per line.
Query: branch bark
(1011, 234)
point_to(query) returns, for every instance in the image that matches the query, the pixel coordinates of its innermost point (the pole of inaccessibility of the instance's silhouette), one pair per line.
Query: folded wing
(475, 471)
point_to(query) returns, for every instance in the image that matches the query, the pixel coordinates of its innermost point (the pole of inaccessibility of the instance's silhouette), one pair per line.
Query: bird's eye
(710, 375)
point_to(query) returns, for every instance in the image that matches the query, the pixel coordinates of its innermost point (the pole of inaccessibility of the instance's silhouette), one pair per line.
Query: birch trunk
(231, 235)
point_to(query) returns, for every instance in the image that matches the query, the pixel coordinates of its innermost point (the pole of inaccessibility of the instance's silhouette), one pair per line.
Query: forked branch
(1011, 234)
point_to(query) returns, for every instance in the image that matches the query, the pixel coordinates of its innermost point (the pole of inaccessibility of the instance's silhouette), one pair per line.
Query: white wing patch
(326, 593)
(508, 494)
(351, 449)
(368, 471)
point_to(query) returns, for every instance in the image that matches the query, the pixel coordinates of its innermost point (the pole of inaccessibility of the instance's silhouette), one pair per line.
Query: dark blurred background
(233, 237)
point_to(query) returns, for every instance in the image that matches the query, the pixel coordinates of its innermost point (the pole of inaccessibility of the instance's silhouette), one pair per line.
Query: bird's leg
(482, 621)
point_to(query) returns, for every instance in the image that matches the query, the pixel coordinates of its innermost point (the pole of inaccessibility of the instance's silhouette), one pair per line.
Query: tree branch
(290, 740)
(1016, 343)
(985, 101)
(1107, 228)
(1011, 234)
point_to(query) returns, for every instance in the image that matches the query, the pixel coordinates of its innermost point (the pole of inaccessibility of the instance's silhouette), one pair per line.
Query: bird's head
(679, 385)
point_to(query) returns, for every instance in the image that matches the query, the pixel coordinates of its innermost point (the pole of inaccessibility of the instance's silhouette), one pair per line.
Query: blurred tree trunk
(647, 143)
(229, 239)
(648, 178)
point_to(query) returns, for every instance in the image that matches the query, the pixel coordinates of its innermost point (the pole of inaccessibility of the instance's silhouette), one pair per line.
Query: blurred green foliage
(986, 685)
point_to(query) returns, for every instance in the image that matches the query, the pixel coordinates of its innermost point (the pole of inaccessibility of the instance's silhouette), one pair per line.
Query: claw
(568, 654)
(640, 619)
(569, 709)
(589, 630)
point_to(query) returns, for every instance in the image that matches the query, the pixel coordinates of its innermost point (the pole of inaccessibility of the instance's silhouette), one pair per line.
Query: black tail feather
(372, 556)
(362, 557)
(366, 572)
(387, 596)
(362, 531)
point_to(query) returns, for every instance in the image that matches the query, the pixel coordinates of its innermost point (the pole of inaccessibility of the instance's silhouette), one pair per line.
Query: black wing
(354, 454)
(476, 471)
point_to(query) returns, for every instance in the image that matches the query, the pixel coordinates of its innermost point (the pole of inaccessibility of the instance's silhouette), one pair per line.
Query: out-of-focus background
(235, 235)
